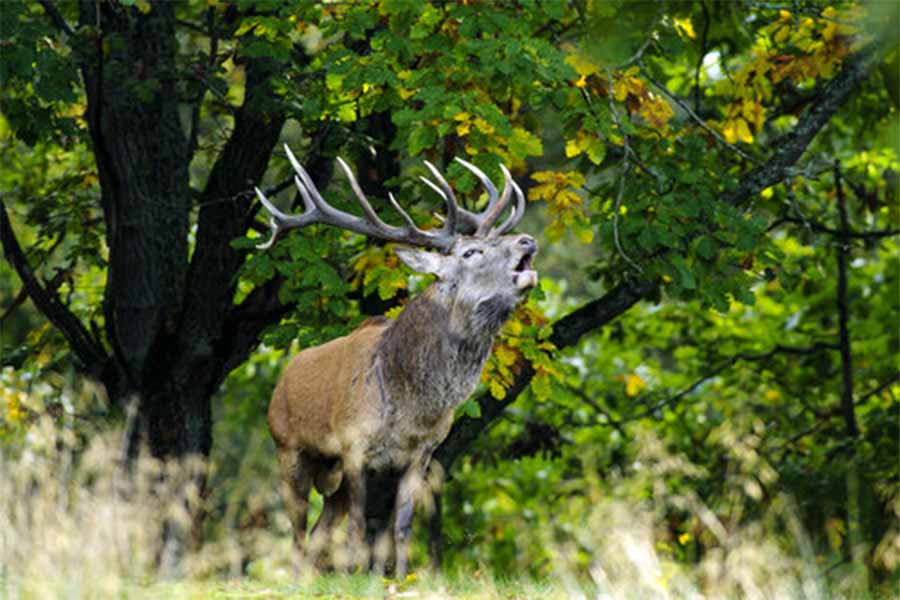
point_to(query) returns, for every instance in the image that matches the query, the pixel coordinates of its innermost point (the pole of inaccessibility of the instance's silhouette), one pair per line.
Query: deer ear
(420, 261)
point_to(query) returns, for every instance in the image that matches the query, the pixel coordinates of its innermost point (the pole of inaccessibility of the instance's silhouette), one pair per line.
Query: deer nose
(528, 242)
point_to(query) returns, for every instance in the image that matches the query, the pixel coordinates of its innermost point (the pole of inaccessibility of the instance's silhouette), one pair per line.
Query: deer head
(474, 261)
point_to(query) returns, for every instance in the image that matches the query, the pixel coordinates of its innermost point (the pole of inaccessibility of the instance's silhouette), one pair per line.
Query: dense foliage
(714, 185)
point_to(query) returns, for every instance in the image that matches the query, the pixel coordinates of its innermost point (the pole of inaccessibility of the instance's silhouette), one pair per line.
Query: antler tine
(492, 213)
(403, 214)
(280, 222)
(518, 211)
(367, 209)
(485, 181)
(449, 199)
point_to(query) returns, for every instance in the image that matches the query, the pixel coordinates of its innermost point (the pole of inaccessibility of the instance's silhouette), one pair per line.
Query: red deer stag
(382, 398)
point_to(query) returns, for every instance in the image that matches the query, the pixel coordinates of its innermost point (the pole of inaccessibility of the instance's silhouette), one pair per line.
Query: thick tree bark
(167, 320)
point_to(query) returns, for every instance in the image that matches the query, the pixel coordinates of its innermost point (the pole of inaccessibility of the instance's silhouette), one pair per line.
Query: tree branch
(55, 16)
(686, 108)
(791, 146)
(88, 350)
(240, 164)
(844, 311)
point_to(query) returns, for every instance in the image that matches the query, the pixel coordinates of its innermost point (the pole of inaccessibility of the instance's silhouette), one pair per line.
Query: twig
(584, 397)
(684, 106)
(620, 194)
(704, 35)
(56, 17)
(843, 310)
(637, 56)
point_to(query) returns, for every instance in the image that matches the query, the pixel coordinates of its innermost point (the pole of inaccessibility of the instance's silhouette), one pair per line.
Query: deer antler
(480, 224)
(458, 220)
(317, 210)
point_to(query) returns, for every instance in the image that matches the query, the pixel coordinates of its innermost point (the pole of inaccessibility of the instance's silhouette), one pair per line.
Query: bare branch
(55, 16)
(619, 195)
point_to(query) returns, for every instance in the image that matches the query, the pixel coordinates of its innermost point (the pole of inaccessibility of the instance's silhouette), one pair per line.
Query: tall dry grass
(74, 523)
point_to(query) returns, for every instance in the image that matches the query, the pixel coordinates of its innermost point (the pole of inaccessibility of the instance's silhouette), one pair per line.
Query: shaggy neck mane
(435, 350)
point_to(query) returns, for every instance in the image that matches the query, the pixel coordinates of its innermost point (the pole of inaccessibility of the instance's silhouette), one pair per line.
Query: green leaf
(420, 138)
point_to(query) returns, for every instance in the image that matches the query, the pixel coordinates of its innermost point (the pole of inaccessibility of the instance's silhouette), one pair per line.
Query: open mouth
(524, 276)
(525, 263)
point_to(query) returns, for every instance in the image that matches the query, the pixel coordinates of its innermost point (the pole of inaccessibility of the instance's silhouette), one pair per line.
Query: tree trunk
(170, 321)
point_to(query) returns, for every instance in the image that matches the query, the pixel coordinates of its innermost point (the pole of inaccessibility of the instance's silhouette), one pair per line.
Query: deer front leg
(409, 489)
(356, 526)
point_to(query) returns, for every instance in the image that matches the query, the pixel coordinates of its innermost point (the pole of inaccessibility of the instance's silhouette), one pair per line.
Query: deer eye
(469, 253)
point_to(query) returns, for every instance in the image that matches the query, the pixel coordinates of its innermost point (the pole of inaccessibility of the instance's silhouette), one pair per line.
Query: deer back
(327, 396)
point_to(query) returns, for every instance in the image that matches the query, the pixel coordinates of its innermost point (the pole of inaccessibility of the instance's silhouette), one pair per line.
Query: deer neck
(432, 356)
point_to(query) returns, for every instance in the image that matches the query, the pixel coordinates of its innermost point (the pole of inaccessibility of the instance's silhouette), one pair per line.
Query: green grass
(467, 585)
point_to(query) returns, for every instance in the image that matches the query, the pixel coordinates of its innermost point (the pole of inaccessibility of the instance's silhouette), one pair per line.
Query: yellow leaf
(656, 111)
(582, 65)
(573, 148)
(541, 192)
(753, 112)
(566, 198)
(483, 126)
(543, 176)
(506, 355)
(497, 390)
(581, 81)
(620, 90)
(633, 385)
(684, 538)
(585, 235)
(143, 6)
(767, 193)
(743, 131)
(514, 327)
(729, 131)
(462, 129)
(781, 34)
(685, 26)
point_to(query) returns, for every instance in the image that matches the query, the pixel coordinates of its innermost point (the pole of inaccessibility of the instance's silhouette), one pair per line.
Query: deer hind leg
(296, 483)
(324, 547)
